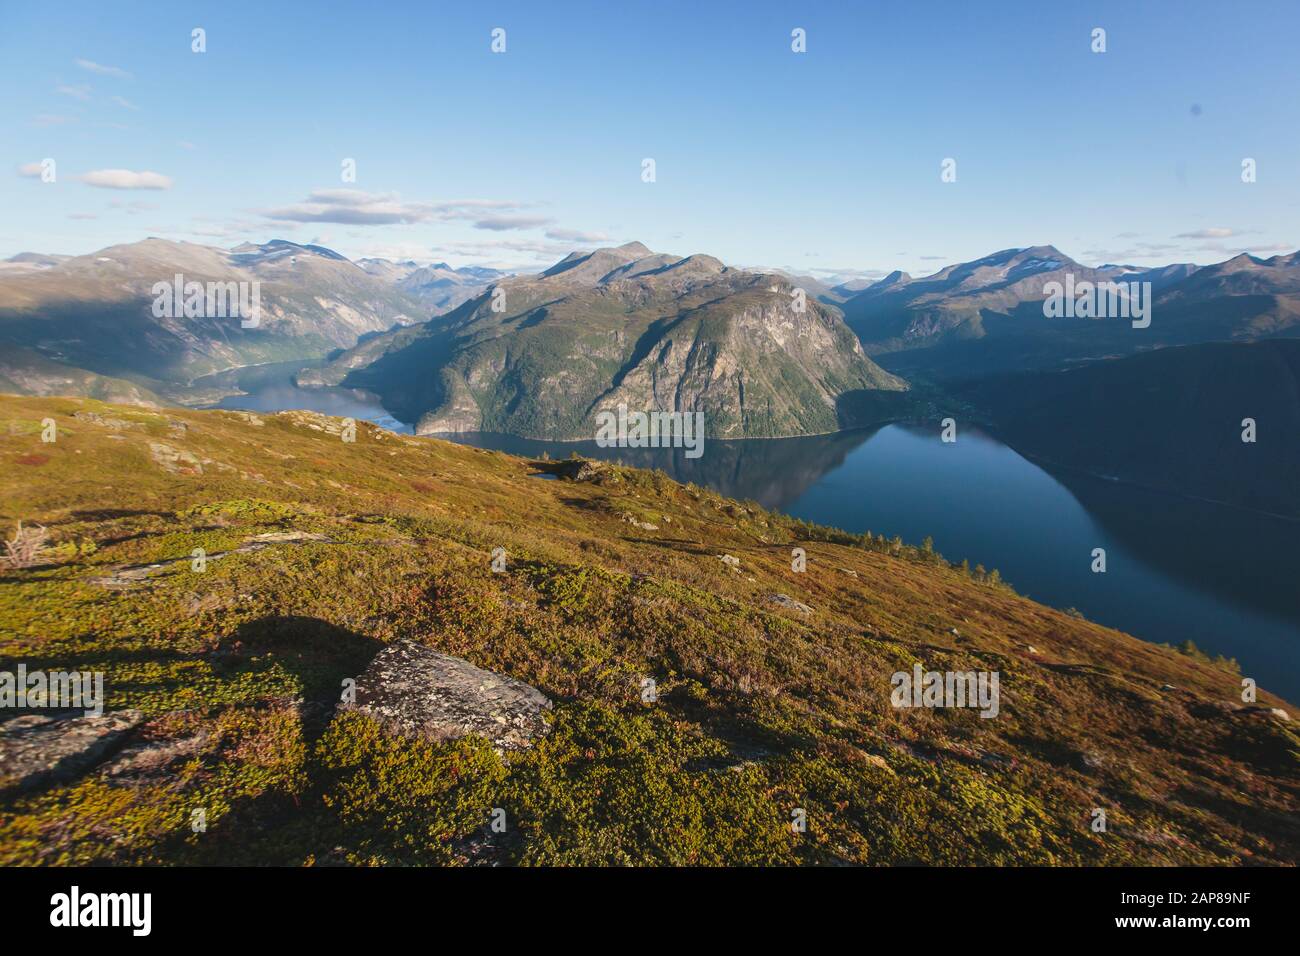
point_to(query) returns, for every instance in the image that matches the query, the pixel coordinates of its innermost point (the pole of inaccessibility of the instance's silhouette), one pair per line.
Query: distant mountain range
(438, 286)
(1159, 406)
(94, 313)
(540, 356)
(977, 318)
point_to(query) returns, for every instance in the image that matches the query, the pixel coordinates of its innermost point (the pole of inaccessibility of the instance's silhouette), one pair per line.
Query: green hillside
(773, 686)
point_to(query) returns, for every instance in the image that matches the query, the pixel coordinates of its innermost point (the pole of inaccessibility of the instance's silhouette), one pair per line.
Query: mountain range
(1160, 406)
(437, 286)
(540, 356)
(94, 313)
(977, 318)
(762, 353)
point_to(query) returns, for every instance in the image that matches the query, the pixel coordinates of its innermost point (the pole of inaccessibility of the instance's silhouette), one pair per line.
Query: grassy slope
(759, 710)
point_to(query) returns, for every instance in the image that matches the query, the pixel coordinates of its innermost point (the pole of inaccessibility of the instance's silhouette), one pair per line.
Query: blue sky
(827, 160)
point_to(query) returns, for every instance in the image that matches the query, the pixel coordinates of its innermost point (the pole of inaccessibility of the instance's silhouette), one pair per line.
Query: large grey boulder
(416, 691)
(37, 750)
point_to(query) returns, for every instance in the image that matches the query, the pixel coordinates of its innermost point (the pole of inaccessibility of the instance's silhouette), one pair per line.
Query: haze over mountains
(95, 312)
(539, 356)
(438, 286)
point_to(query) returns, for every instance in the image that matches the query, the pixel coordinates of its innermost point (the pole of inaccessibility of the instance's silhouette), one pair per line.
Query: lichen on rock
(414, 690)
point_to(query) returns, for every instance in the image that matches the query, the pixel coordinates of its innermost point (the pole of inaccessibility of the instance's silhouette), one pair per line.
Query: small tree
(26, 546)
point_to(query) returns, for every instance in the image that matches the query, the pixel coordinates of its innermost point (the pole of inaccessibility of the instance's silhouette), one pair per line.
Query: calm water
(1176, 569)
(270, 388)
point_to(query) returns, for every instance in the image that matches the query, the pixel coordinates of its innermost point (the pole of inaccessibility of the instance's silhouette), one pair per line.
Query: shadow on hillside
(320, 655)
(112, 514)
(248, 665)
(316, 653)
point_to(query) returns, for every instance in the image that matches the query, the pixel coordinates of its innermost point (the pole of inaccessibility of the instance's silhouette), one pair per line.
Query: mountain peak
(1043, 252)
(636, 249)
(897, 277)
(596, 264)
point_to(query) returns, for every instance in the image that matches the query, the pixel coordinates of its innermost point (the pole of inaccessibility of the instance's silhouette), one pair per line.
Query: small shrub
(26, 547)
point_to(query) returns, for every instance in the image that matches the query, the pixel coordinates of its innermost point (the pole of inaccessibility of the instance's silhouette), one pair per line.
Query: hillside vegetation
(320, 551)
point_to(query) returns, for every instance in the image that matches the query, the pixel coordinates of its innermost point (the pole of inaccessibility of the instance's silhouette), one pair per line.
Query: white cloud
(503, 223)
(352, 206)
(30, 170)
(576, 235)
(125, 179)
(82, 215)
(79, 92)
(505, 253)
(52, 119)
(123, 101)
(102, 70)
(1215, 232)
(359, 208)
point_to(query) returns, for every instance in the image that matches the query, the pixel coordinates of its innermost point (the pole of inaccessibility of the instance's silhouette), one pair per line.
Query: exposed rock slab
(789, 603)
(176, 460)
(573, 469)
(124, 577)
(117, 424)
(418, 692)
(37, 750)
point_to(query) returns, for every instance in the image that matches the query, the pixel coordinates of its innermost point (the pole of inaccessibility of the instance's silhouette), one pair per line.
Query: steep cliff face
(543, 356)
(754, 367)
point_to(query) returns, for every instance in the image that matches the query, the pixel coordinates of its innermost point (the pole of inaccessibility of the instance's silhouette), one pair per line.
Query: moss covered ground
(318, 551)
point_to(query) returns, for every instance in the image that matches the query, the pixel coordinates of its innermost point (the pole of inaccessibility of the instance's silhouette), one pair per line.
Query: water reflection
(773, 472)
